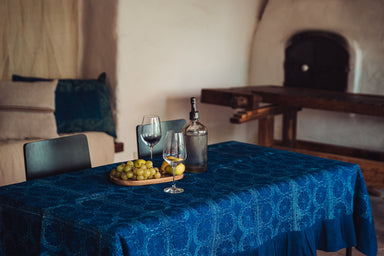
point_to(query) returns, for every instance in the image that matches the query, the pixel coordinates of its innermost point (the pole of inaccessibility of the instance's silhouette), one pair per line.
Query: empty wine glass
(174, 152)
(151, 131)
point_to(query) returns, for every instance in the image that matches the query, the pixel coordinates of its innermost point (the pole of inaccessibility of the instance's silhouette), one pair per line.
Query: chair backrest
(55, 156)
(143, 149)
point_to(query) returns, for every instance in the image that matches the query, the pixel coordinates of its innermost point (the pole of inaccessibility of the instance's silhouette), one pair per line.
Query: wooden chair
(55, 156)
(143, 149)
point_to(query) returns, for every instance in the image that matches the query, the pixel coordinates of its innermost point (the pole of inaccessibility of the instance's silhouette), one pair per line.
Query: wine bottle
(196, 140)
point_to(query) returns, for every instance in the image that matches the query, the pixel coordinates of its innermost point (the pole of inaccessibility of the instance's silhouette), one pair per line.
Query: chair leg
(348, 251)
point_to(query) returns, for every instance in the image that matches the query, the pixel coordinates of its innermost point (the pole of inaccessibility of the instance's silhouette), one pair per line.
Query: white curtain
(39, 38)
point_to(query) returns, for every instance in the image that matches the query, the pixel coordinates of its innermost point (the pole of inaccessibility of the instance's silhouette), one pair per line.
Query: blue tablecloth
(251, 201)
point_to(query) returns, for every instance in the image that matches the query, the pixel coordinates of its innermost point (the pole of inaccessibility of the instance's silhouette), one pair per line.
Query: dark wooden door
(317, 60)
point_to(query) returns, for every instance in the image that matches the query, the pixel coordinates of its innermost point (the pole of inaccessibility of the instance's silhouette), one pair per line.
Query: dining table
(251, 200)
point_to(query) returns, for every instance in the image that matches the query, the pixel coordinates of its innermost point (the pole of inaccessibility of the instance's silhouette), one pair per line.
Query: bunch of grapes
(136, 170)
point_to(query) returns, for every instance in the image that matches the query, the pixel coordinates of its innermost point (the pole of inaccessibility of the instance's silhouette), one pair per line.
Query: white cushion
(27, 110)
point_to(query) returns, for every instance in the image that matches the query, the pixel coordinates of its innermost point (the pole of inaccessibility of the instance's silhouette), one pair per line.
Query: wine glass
(151, 131)
(174, 152)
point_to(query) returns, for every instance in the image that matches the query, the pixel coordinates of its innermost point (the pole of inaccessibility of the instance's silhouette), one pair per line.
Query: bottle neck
(194, 114)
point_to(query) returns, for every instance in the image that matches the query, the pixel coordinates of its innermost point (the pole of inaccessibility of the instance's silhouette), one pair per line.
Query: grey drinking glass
(151, 131)
(174, 152)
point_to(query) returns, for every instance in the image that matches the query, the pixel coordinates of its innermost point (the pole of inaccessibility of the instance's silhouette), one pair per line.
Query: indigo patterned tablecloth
(251, 201)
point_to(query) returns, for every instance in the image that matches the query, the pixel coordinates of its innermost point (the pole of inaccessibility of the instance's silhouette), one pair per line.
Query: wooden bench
(265, 102)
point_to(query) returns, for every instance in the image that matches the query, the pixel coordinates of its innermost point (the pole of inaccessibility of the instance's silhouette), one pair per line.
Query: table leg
(266, 129)
(348, 251)
(289, 127)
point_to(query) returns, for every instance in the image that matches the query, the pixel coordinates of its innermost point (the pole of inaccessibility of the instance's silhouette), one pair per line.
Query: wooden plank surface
(239, 97)
(298, 97)
(320, 99)
(261, 112)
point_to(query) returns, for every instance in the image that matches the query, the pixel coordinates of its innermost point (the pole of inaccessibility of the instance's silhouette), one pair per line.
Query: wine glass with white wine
(151, 131)
(174, 152)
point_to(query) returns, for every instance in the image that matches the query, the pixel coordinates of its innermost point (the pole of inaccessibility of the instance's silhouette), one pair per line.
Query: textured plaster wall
(169, 50)
(360, 22)
(98, 41)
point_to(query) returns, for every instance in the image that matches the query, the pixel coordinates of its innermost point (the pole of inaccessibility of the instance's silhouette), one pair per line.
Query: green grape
(149, 164)
(120, 168)
(153, 171)
(139, 162)
(124, 176)
(147, 173)
(130, 174)
(128, 168)
(113, 172)
(140, 172)
(136, 170)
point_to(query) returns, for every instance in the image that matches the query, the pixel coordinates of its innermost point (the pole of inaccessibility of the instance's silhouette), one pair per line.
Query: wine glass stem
(150, 149)
(173, 171)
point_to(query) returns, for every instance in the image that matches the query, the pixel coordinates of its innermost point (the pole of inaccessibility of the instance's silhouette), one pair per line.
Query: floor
(377, 201)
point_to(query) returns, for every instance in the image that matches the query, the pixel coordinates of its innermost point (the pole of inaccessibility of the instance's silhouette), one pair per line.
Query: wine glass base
(173, 190)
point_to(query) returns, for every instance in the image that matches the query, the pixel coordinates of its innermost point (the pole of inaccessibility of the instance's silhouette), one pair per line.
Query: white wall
(169, 50)
(361, 23)
(98, 42)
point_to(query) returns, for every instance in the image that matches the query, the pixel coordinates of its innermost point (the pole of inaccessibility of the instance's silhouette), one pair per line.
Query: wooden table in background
(264, 102)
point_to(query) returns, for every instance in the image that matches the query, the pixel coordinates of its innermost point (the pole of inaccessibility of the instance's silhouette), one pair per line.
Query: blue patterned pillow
(81, 105)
